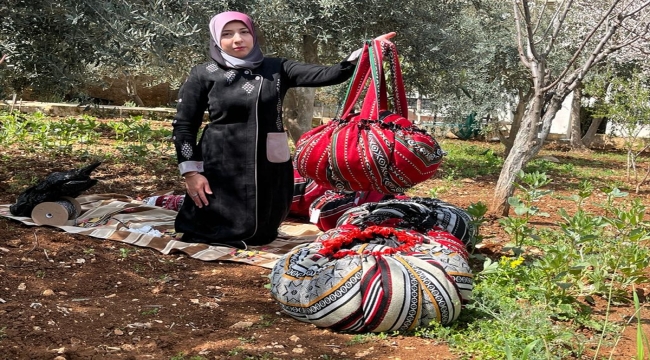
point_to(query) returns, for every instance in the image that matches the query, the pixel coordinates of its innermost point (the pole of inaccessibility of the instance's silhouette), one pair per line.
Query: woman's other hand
(386, 37)
(197, 188)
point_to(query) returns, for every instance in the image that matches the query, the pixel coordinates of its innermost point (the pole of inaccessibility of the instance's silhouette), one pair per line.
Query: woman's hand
(197, 188)
(386, 37)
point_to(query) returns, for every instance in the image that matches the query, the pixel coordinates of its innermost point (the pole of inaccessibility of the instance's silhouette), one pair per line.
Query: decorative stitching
(248, 87)
(230, 76)
(278, 120)
(186, 150)
(212, 67)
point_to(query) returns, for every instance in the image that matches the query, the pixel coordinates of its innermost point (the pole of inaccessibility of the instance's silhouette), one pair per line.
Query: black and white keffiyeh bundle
(420, 214)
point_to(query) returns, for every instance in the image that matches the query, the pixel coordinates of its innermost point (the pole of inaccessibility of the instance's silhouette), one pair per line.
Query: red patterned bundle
(375, 149)
(305, 191)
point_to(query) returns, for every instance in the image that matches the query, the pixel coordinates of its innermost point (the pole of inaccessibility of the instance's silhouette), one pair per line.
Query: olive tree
(540, 29)
(46, 48)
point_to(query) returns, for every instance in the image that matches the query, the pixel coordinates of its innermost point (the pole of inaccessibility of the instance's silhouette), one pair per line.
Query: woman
(239, 176)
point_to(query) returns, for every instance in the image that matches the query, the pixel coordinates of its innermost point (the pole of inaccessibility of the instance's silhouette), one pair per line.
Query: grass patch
(526, 303)
(469, 161)
(182, 356)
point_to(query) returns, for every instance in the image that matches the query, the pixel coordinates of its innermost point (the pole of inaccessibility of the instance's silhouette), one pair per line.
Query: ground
(65, 296)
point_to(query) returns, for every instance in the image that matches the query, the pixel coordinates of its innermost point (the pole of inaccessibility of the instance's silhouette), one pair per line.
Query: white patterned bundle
(374, 280)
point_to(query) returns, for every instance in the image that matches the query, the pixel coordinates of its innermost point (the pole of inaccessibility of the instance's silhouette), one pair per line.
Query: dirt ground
(65, 296)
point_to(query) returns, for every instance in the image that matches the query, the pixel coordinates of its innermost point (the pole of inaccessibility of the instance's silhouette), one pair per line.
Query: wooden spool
(56, 213)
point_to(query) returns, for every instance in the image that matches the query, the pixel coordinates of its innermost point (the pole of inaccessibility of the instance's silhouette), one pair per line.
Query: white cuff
(355, 55)
(187, 166)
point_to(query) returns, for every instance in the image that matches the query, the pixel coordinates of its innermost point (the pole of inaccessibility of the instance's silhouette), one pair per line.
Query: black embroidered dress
(243, 150)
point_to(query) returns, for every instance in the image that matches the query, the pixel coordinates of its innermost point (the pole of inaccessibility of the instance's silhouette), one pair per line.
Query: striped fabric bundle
(420, 214)
(169, 202)
(374, 279)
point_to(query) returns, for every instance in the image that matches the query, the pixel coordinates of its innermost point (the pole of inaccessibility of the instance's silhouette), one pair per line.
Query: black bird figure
(55, 186)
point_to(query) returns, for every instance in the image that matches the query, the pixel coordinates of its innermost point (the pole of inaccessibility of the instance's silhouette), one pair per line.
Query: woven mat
(118, 217)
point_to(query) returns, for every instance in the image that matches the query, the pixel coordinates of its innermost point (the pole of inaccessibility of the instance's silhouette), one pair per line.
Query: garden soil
(66, 296)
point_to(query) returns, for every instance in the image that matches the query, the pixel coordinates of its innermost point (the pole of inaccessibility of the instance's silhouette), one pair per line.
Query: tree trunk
(517, 157)
(518, 115)
(528, 142)
(588, 139)
(418, 109)
(299, 102)
(576, 129)
(132, 90)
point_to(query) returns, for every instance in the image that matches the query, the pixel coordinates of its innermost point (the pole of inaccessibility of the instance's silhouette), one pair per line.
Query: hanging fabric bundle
(377, 149)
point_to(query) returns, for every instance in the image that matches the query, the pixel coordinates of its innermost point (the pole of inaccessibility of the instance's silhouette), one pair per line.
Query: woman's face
(236, 39)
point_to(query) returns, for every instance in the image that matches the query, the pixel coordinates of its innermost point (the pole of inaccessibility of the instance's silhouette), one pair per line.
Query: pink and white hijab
(250, 61)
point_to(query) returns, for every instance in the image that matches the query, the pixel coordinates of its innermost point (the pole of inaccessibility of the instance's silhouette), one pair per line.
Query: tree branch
(520, 45)
(529, 30)
(625, 43)
(558, 26)
(539, 19)
(641, 7)
(582, 46)
(633, 30)
(550, 24)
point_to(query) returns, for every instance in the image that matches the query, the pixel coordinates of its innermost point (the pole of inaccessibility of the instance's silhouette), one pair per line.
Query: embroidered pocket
(277, 147)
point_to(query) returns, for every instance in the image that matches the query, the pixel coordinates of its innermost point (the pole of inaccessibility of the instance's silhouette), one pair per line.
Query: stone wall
(114, 93)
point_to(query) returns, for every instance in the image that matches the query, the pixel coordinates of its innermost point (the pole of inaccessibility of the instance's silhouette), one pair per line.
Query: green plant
(40, 274)
(266, 321)
(626, 105)
(642, 342)
(179, 356)
(14, 128)
(524, 206)
(361, 339)
(124, 252)
(436, 191)
(152, 311)
(138, 268)
(477, 212)
(236, 351)
(470, 161)
(20, 182)
(246, 340)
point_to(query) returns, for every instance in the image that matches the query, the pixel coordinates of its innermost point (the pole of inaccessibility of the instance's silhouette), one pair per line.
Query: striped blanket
(120, 218)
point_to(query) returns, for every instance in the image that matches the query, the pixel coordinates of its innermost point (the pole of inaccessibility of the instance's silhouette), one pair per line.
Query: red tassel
(349, 234)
